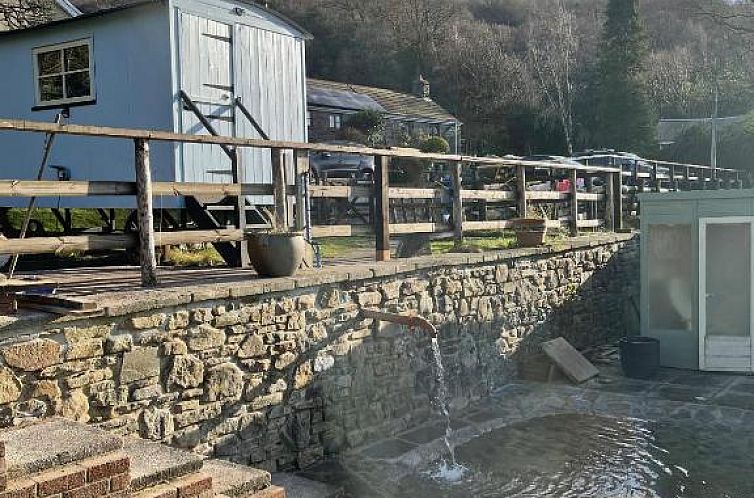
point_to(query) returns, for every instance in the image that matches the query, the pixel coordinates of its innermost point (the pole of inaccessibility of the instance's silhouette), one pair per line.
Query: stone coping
(116, 304)
(40, 446)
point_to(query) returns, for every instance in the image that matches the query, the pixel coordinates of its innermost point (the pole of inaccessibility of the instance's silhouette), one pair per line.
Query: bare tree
(18, 14)
(420, 26)
(553, 45)
(736, 16)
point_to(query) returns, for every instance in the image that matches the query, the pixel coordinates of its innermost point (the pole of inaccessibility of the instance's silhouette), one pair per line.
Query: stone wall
(278, 379)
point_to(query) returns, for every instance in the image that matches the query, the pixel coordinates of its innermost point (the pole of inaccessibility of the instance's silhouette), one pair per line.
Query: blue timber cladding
(143, 55)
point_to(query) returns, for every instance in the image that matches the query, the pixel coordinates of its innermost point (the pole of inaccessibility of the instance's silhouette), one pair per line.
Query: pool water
(591, 456)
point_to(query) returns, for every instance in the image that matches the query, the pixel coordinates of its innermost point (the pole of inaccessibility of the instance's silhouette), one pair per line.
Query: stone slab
(301, 487)
(53, 442)
(233, 480)
(569, 360)
(155, 463)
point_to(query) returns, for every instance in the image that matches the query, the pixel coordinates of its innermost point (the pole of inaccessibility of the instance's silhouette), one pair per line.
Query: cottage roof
(349, 96)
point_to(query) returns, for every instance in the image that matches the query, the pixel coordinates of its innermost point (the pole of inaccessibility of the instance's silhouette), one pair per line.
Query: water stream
(448, 471)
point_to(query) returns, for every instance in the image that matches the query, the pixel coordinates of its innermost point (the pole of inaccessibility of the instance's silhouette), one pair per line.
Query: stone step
(235, 481)
(301, 487)
(155, 463)
(54, 442)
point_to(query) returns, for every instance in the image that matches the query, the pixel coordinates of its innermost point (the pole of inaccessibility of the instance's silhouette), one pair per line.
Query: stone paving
(719, 401)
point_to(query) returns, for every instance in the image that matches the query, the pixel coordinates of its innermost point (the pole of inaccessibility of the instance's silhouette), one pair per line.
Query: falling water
(449, 471)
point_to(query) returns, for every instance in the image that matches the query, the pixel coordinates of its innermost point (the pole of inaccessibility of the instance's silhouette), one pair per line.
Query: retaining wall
(278, 373)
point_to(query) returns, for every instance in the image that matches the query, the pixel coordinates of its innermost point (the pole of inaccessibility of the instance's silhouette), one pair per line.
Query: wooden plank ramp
(572, 363)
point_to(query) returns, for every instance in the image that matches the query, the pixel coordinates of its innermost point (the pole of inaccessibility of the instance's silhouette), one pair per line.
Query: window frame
(65, 101)
(336, 121)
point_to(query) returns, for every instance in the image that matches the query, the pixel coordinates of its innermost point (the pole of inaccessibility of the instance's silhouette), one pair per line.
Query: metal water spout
(412, 321)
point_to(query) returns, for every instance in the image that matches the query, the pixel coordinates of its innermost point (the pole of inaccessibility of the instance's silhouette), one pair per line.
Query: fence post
(655, 178)
(574, 203)
(609, 202)
(382, 208)
(521, 191)
(455, 176)
(279, 188)
(618, 200)
(148, 257)
(301, 158)
(240, 208)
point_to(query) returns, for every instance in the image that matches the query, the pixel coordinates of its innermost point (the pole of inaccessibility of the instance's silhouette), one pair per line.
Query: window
(335, 121)
(671, 273)
(63, 74)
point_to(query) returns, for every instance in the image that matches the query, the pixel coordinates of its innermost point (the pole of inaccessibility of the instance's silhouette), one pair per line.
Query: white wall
(133, 88)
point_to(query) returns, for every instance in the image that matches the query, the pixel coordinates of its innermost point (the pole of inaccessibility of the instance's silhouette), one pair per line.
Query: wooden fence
(291, 195)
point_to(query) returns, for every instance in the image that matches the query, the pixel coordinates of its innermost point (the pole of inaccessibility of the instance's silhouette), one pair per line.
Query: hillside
(498, 64)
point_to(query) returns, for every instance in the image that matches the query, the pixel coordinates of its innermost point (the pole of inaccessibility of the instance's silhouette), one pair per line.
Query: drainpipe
(414, 322)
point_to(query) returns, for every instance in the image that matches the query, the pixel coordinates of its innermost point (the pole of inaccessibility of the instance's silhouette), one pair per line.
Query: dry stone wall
(278, 380)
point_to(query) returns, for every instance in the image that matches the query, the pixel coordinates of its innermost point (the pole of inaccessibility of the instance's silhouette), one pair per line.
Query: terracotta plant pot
(275, 254)
(530, 232)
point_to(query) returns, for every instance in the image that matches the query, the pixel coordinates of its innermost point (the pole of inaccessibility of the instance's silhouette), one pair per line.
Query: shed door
(206, 69)
(270, 84)
(725, 294)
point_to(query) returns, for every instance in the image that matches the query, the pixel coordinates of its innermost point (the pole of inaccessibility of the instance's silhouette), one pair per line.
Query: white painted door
(206, 75)
(269, 81)
(725, 294)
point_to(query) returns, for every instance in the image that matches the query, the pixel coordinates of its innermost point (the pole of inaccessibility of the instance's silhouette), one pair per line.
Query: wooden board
(572, 363)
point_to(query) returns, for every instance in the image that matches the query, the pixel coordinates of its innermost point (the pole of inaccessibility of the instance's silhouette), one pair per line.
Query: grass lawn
(82, 218)
(331, 247)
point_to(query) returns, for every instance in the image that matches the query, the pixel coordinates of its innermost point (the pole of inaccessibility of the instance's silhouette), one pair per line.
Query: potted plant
(276, 253)
(530, 232)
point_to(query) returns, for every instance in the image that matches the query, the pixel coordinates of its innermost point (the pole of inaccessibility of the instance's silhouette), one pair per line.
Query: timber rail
(291, 195)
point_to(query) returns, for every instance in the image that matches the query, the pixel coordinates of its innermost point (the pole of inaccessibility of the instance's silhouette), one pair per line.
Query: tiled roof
(341, 99)
(396, 103)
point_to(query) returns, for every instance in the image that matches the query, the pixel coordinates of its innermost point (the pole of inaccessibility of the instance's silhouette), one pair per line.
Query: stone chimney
(421, 88)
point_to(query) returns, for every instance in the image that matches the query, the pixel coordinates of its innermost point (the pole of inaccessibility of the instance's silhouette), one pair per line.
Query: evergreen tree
(625, 120)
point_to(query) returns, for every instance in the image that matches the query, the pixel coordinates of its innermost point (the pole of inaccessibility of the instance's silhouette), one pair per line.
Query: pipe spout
(411, 321)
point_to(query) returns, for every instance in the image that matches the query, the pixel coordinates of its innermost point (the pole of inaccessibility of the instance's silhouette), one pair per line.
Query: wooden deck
(95, 281)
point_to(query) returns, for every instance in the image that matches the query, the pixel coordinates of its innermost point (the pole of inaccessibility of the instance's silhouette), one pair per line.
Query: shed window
(64, 73)
(671, 271)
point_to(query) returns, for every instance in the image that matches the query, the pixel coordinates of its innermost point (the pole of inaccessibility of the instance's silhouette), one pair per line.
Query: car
(326, 165)
(626, 160)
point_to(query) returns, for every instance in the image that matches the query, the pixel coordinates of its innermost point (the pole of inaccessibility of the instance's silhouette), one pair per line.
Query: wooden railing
(289, 200)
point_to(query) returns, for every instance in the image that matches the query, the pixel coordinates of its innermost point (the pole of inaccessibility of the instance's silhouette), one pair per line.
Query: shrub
(435, 145)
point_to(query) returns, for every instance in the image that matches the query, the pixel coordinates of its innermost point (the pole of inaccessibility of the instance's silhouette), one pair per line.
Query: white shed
(126, 66)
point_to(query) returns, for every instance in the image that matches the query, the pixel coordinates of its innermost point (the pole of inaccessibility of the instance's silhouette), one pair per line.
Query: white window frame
(336, 121)
(60, 47)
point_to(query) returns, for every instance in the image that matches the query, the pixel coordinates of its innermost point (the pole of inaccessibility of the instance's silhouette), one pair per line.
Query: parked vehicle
(627, 161)
(342, 165)
(552, 179)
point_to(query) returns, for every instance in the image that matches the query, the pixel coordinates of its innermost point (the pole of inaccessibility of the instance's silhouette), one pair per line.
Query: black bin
(640, 357)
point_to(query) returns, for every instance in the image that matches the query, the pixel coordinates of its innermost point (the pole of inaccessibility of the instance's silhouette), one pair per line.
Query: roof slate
(396, 103)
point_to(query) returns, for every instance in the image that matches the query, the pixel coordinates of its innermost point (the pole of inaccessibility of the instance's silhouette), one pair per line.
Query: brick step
(55, 442)
(235, 481)
(271, 492)
(195, 485)
(154, 463)
(99, 476)
(301, 487)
